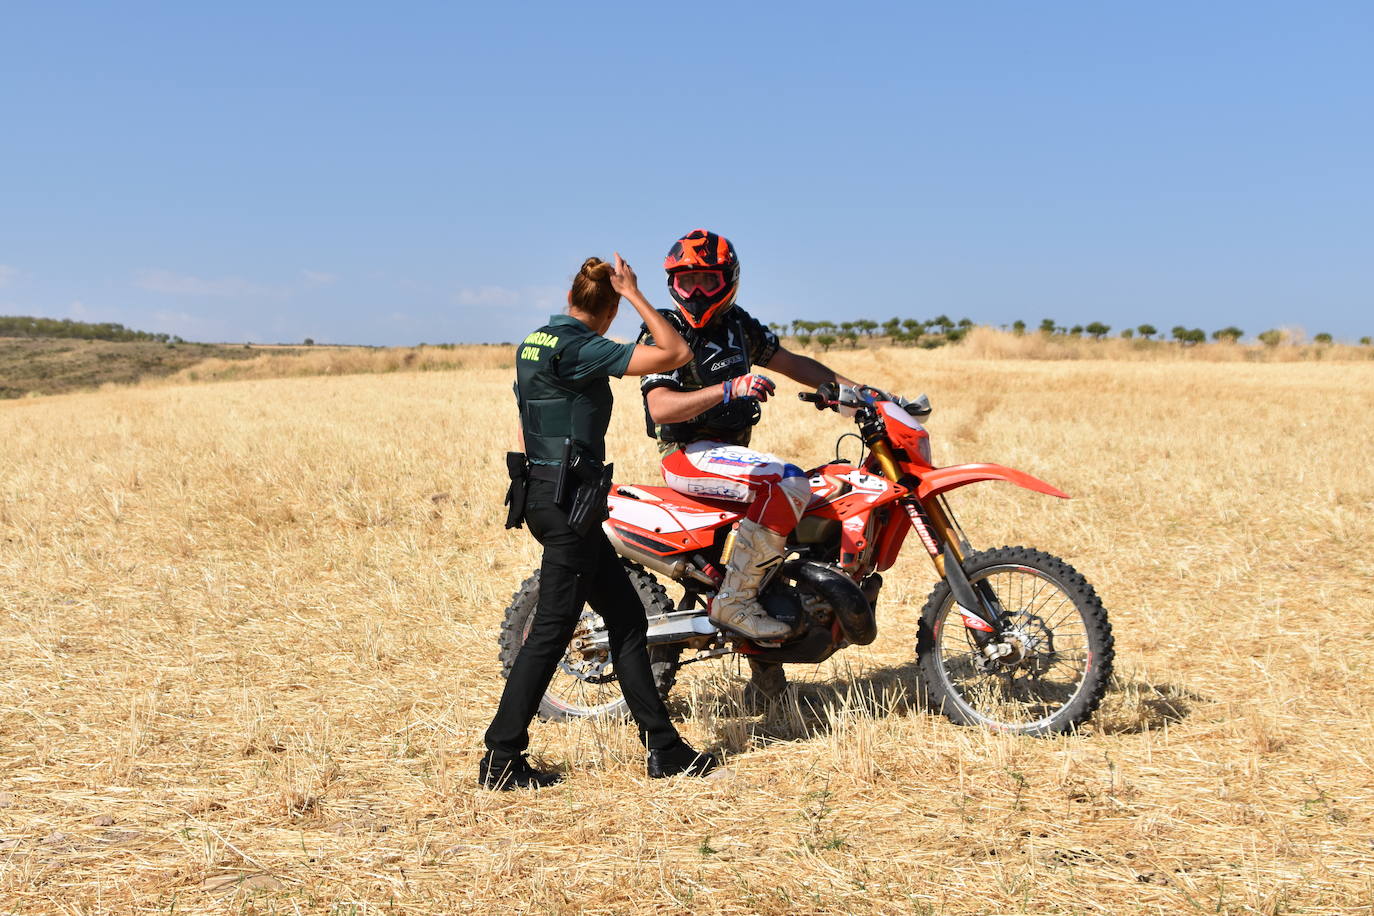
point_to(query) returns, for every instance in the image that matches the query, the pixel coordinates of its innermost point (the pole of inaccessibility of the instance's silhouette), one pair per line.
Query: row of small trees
(931, 332)
(942, 330)
(23, 326)
(1184, 335)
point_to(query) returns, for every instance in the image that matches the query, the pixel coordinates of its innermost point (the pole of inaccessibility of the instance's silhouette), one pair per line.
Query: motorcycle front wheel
(584, 685)
(1058, 647)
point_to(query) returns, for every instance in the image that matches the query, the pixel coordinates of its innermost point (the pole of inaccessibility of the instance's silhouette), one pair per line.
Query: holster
(518, 467)
(588, 508)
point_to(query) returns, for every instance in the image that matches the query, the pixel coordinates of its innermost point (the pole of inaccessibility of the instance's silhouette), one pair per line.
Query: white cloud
(488, 296)
(522, 298)
(495, 312)
(198, 327)
(314, 279)
(8, 274)
(158, 280)
(167, 317)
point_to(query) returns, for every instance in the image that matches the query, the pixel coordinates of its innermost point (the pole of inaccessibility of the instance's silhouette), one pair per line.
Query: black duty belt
(547, 472)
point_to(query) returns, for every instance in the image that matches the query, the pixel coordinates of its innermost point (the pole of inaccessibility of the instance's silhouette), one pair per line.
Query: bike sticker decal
(918, 521)
(972, 620)
(735, 461)
(708, 488)
(867, 482)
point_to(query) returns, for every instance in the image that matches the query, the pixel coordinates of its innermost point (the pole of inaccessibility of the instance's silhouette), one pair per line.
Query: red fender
(941, 480)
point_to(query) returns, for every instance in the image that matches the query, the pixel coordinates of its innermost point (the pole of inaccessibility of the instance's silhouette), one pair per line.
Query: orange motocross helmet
(703, 276)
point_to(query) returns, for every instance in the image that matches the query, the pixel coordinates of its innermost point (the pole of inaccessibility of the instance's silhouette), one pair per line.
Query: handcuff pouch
(517, 466)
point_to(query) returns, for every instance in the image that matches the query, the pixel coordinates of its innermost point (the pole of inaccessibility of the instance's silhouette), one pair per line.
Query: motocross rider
(702, 415)
(564, 397)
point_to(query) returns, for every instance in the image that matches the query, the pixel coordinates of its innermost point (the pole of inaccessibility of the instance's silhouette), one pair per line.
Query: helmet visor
(688, 283)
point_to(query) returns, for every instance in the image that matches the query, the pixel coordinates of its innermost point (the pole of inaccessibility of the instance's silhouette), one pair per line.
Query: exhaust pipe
(845, 598)
(673, 567)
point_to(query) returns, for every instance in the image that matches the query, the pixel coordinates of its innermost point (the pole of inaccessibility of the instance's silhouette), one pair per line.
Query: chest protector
(554, 406)
(720, 351)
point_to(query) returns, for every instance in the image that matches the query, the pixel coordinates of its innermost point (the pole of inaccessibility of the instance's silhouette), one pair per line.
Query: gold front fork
(945, 531)
(887, 462)
(944, 526)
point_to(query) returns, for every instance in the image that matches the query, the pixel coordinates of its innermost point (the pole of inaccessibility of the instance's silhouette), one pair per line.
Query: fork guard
(846, 599)
(942, 480)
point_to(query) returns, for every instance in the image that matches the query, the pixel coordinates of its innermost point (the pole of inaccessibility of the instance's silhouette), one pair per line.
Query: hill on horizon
(28, 326)
(55, 365)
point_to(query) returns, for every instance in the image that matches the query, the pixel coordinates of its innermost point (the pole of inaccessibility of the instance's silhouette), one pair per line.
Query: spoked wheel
(584, 685)
(1052, 665)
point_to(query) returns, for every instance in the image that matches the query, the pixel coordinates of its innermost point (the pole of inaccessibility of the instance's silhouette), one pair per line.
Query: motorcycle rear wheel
(583, 688)
(1054, 681)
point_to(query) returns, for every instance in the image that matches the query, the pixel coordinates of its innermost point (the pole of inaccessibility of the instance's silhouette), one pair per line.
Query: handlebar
(827, 398)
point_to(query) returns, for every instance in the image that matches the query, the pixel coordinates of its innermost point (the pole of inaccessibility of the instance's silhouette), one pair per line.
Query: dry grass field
(249, 649)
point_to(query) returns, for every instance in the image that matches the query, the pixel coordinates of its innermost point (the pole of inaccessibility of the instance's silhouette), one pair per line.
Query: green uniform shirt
(562, 387)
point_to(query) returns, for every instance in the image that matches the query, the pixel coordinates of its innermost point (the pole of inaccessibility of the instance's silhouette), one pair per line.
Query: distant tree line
(929, 333)
(941, 330)
(22, 326)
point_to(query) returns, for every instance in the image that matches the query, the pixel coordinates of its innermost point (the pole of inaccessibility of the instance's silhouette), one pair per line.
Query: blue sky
(435, 172)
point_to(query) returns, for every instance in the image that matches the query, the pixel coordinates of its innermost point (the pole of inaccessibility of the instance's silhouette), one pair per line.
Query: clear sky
(397, 173)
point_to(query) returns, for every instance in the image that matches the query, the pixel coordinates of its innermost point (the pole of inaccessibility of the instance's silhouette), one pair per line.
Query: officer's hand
(748, 386)
(623, 279)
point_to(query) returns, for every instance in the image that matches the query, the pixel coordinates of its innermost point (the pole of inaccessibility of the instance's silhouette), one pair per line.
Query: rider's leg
(777, 493)
(753, 552)
(767, 682)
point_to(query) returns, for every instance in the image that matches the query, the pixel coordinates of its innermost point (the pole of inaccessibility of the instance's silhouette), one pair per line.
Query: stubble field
(249, 651)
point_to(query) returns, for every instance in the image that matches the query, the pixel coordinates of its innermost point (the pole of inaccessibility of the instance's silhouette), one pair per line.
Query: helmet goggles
(688, 283)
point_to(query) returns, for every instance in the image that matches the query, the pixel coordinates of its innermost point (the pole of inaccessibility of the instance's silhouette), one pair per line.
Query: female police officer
(564, 396)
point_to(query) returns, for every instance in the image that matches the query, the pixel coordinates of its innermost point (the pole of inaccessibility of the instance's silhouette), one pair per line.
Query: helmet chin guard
(703, 276)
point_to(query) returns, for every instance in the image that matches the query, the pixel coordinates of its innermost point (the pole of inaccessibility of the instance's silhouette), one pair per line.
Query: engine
(811, 597)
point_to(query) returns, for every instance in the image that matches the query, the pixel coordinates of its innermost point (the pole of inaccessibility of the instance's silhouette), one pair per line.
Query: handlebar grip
(809, 396)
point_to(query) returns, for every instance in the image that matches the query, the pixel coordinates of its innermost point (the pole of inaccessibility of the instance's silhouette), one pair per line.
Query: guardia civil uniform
(563, 390)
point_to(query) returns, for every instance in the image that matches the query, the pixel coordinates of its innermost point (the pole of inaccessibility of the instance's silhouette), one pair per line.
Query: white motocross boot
(736, 606)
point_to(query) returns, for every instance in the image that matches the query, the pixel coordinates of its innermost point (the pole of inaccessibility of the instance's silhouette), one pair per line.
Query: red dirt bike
(1012, 639)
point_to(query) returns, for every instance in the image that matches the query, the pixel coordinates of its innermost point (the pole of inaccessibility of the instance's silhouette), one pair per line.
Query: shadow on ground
(742, 719)
(1134, 706)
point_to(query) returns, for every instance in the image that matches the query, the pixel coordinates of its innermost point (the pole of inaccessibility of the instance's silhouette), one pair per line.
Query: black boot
(680, 758)
(506, 774)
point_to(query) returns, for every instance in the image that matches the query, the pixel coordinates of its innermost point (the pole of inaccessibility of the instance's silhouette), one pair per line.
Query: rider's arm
(805, 370)
(663, 349)
(669, 406)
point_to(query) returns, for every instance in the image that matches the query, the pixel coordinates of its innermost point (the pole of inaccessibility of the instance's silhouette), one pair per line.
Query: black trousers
(577, 570)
